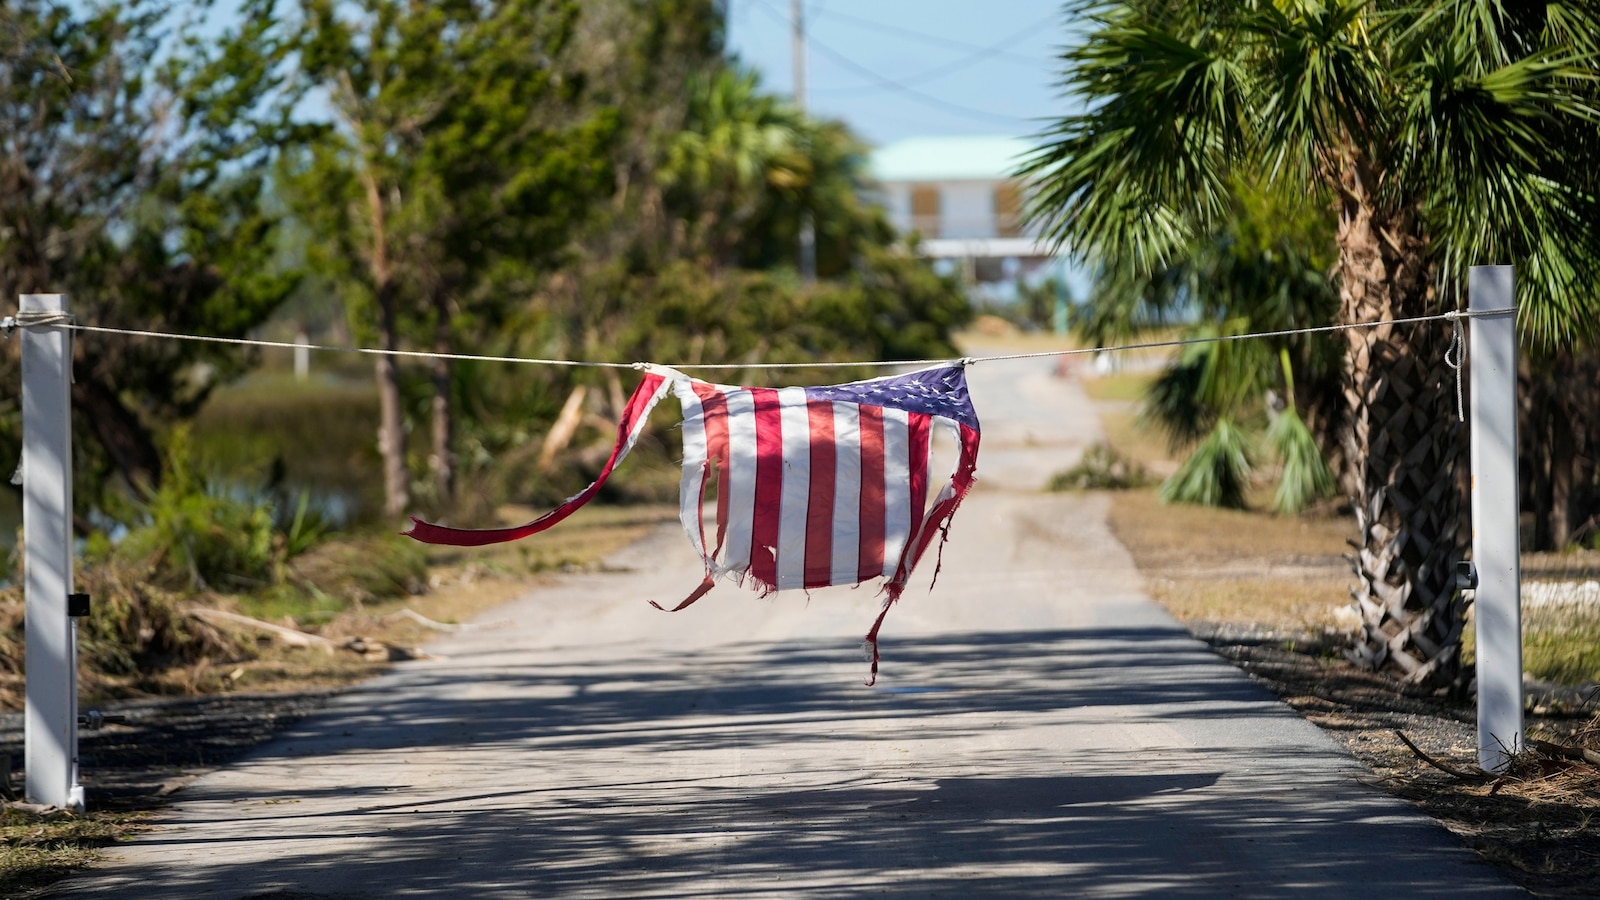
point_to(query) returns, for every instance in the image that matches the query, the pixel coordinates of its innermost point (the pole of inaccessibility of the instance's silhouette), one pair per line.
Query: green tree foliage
(693, 261)
(635, 196)
(745, 167)
(1446, 134)
(132, 173)
(1263, 271)
(741, 152)
(736, 181)
(461, 164)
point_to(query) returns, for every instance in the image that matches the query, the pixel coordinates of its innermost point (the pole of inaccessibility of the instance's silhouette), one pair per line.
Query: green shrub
(1101, 469)
(196, 534)
(1216, 473)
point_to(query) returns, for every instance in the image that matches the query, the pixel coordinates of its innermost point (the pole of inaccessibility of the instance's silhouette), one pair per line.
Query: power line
(914, 94)
(890, 84)
(956, 65)
(937, 40)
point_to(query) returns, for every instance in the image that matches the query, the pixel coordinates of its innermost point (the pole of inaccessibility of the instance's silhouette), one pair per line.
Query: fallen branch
(424, 621)
(1455, 773)
(38, 810)
(378, 650)
(566, 424)
(1581, 754)
(291, 636)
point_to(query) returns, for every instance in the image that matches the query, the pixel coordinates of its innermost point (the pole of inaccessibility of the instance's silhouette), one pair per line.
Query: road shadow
(566, 812)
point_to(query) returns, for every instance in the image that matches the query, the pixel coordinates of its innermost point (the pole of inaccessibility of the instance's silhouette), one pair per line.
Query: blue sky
(904, 68)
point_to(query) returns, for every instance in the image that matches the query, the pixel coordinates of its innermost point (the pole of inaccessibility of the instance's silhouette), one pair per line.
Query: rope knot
(1453, 356)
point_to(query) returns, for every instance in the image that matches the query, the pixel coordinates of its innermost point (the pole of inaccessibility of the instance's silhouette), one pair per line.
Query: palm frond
(1324, 84)
(1216, 473)
(1174, 404)
(1305, 477)
(1145, 168)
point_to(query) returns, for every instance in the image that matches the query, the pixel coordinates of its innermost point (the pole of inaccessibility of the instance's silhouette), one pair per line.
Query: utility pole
(808, 236)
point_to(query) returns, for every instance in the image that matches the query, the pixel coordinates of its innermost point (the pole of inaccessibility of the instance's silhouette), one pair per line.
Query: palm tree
(1263, 270)
(738, 147)
(1447, 132)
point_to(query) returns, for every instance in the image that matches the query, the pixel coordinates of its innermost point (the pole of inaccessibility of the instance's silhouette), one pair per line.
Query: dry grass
(467, 581)
(1229, 566)
(1252, 581)
(461, 583)
(990, 335)
(37, 850)
(1118, 387)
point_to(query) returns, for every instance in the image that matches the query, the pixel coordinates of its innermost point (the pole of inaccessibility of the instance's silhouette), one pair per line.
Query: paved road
(1040, 729)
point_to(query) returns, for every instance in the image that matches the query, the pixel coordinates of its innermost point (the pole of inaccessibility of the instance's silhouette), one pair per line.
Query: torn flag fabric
(814, 486)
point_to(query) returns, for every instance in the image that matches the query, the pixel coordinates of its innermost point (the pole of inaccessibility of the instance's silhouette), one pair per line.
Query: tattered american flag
(815, 486)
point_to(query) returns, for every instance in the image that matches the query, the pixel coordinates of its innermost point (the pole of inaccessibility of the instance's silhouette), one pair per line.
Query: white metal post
(51, 719)
(1497, 602)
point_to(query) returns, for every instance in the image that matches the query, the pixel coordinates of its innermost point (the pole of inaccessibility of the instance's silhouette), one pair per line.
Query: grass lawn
(1288, 573)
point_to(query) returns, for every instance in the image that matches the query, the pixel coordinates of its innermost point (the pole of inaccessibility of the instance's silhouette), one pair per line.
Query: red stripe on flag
(870, 563)
(769, 487)
(714, 413)
(819, 511)
(939, 517)
(937, 520)
(651, 388)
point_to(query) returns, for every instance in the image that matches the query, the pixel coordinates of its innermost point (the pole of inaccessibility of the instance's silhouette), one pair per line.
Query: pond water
(313, 438)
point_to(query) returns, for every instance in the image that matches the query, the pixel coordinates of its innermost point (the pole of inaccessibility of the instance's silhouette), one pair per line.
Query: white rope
(333, 348)
(1453, 356)
(34, 319)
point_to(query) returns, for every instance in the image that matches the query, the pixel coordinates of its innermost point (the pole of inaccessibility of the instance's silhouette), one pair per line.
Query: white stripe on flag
(796, 495)
(846, 493)
(692, 487)
(896, 487)
(741, 478)
(949, 429)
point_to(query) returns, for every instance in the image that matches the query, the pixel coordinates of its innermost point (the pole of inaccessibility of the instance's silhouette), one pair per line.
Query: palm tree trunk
(1403, 448)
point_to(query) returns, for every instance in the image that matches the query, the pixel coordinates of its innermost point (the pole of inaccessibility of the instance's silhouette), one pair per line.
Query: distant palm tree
(1265, 269)
(739, 145)
(1448, 133)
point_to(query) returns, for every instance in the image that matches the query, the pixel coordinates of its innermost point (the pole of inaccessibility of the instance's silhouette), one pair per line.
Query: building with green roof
(960, 196)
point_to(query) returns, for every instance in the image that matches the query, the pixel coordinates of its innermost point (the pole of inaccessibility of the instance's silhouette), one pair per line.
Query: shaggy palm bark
(1402, 441)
